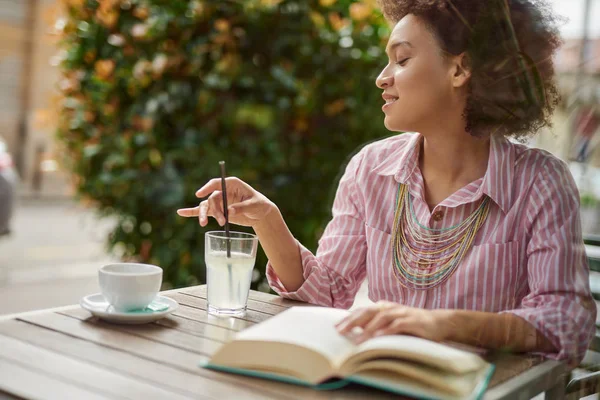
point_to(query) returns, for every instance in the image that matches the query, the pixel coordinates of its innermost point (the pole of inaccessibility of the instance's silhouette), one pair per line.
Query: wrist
(268, 220)
(446, 324)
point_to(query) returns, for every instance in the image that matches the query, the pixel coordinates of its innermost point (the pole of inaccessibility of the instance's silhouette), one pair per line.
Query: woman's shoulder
(379, 152)
(544, 174)
(538, 163)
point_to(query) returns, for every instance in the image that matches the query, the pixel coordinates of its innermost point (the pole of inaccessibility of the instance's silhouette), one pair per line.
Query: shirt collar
(498, 179)
(403, 162)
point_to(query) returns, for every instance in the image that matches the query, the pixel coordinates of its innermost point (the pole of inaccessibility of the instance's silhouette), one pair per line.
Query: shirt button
(438, 216)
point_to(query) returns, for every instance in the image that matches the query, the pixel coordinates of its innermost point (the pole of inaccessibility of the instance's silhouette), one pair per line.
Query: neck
(453, 158)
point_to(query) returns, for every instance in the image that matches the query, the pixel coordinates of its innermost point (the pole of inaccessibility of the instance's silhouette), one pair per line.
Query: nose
(385, 79)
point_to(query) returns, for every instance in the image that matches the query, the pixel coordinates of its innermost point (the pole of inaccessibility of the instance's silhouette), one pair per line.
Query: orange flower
(222, 25)
(359, 11)
(106, 5)
(128, 50)
(337, 22)
(334, 108)
(89, 56)
(300, 124)
(74, 3)
(107, 18)
(169, 45)
(145, 249)
(142, 123)
(326, 3)
(104, 68)
(89, 116)
(141, 12)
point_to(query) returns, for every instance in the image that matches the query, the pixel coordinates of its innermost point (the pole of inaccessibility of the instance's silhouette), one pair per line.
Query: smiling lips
(389, 99)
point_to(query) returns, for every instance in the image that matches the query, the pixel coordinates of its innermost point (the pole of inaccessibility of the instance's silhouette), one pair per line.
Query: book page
(420, 350)
(309, 327)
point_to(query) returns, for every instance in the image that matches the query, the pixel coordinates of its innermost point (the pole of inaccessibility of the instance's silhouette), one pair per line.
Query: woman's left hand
(387, 318)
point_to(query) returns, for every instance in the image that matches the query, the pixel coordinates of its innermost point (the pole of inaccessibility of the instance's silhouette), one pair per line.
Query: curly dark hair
(509, 44)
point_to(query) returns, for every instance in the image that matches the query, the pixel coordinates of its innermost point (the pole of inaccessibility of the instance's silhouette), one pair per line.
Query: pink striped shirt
(527, 259)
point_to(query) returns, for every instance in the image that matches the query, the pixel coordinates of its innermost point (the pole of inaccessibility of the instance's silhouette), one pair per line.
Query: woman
(463, 235)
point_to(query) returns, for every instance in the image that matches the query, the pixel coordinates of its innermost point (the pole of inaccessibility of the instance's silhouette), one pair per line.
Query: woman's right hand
(245, 205)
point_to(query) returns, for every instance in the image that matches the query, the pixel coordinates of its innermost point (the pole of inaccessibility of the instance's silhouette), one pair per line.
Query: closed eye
(403, 62)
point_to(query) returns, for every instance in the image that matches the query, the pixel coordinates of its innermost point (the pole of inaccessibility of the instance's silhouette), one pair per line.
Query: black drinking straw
(225, 212)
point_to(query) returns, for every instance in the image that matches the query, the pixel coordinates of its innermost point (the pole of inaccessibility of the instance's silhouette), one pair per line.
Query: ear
(461, 70)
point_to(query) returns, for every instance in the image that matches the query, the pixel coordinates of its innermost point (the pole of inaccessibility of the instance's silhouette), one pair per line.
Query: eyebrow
(401, 43)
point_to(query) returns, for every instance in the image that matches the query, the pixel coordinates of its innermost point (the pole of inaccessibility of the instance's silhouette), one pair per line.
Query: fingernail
(231, 211)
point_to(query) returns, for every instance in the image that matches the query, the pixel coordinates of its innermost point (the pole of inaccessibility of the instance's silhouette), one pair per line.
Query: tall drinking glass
(228, 279)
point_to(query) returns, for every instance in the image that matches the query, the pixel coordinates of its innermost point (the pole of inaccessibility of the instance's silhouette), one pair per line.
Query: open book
(302, 346)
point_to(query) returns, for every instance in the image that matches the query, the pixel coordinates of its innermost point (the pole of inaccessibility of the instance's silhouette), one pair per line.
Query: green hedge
(156, 92)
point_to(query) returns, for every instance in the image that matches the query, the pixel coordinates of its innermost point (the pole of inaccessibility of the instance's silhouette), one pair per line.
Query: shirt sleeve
(559, 304)
(334, 275)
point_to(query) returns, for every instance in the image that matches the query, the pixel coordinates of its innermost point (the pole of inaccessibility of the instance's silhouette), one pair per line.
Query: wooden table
(67, 354)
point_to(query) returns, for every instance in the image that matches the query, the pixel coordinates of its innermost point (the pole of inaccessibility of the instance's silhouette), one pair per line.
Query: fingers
(203, 215)
(207, 208)
(358, 319)
(381, 320)
(241, 207)
(201, 211)
(215, 205)
(189, 212)
(215, 184)
(210, 187)
(395, 327)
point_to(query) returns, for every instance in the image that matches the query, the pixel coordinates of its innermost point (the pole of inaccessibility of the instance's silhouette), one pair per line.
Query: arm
(281, 249)
(559, 304)
(333, 275)
(476, 328)
(492, 331)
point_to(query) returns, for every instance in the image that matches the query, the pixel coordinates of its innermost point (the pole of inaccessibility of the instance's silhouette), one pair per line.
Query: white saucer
(99, 307)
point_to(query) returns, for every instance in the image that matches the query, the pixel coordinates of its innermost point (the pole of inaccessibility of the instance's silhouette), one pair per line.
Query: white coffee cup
(130, 286)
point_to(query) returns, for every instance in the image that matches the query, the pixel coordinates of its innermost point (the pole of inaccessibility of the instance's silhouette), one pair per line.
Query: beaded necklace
(426, 257)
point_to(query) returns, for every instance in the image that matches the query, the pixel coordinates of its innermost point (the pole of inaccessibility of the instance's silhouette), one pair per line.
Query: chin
(392, 124)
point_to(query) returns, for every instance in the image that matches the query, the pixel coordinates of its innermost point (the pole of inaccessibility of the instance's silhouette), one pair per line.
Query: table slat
(200, 303)
(200, 315)
(27, 383)
(197, 328)
(529, 383)
(60, 367)
(265, 305)
(254, 295)
(126, 363)
(510, 365)
(104, 335)
(172, 337)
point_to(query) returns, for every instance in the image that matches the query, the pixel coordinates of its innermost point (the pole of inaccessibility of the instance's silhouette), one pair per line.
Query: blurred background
(113, 112)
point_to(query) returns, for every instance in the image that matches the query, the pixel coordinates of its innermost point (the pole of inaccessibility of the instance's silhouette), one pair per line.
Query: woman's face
(418, 81)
